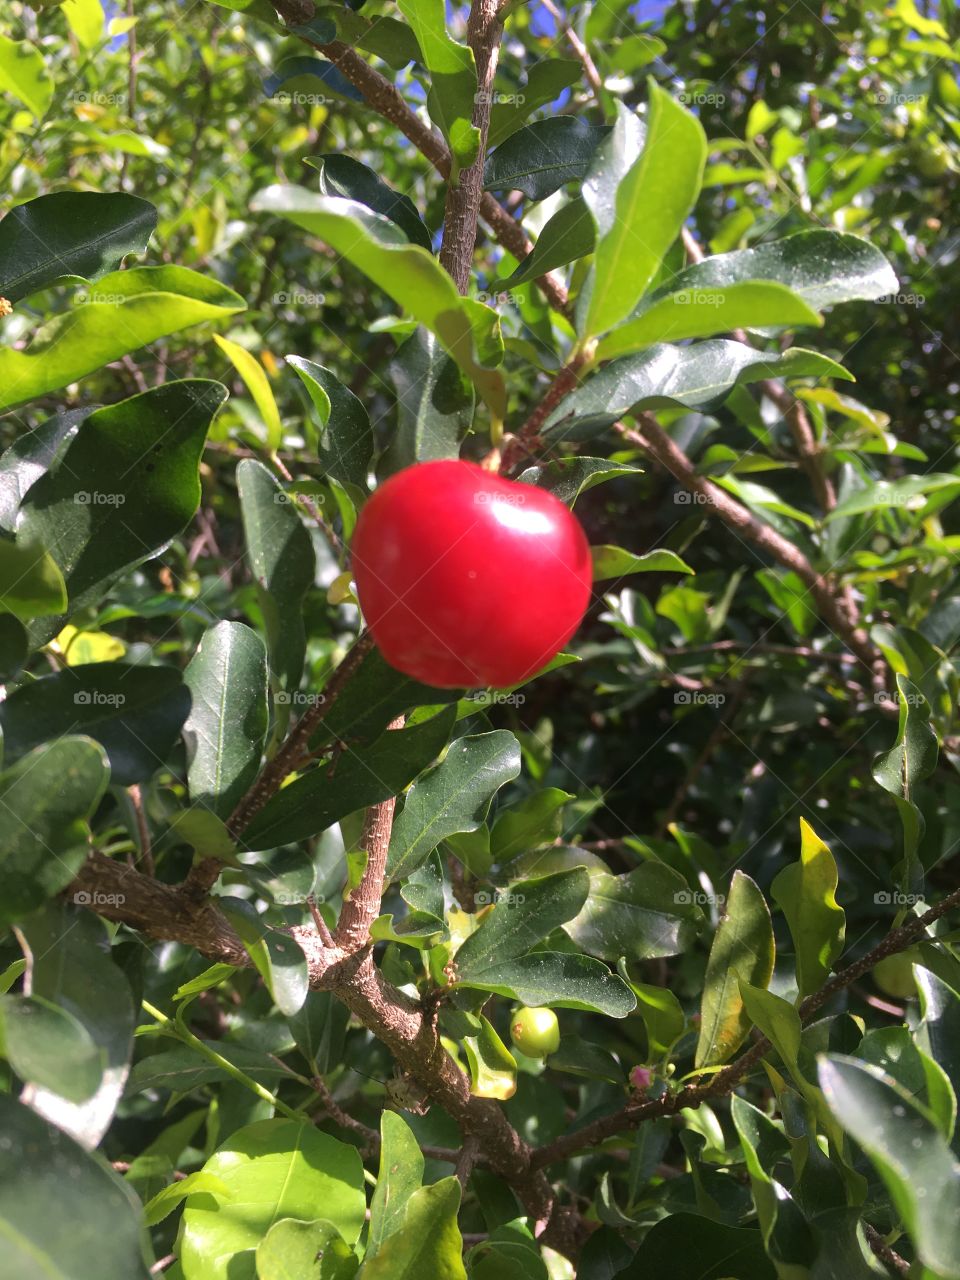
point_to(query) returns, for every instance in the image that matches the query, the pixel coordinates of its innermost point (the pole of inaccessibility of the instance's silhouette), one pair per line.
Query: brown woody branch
(726, 1080)
(462, 209)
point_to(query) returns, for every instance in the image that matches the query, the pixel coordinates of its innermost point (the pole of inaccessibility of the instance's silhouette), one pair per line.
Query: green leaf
(520, 919)
(48, 1046)
(276, 956)
(454, 796)
(164, 1202)
(126, 310)
(275, 1169)
(615, 562)
(258, 384)
(642, 914)
(125, 484)
(294, 1250)
(401, 1174)
(567, 236)
(662, 1014)
(299, 70)
(410, 275)
(806, 893)
(742, 950)
(567, 478)
(14, 647)
(778, 1020)
(453, 77)
(559, 979)
(700, 313)
(541, 158)
(523, 826)
(135, 713)
(493, 1068)
(69, 966)
(346, 443)
(428, 1243)
(30, 456)
(319, 1030)
(23, 73)
(903, 495)
(227, 725)
(324, 795)
(696, 377)
(912, 758)
(652, 203)
(342, 175)
(686, 1246)
(435, 404)
(546, 80)
(31, 584)
(283, 564)
(47, 799)
(63, 1214)
(908, 1152)
(822, 267)
(70, 234)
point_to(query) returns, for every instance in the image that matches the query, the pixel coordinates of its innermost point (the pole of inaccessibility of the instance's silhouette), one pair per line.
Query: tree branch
(462, 209)
(726, 1080)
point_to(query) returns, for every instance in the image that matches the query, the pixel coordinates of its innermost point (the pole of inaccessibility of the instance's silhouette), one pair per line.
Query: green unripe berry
(894, 975)
(535, 1032)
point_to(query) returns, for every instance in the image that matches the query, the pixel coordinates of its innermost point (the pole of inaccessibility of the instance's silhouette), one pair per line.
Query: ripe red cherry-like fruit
(465, 578)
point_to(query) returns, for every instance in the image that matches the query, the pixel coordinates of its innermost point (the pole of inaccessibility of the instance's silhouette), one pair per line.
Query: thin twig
(578, 47)
(145, 857)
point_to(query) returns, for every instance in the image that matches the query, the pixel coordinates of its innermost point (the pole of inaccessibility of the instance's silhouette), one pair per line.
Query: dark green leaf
(293, 1250)
(567, 478)
(346, 442)
(323, 796)
(546, 80)
(64, 1215)
(453, 77)
(47, 798)
(643, 914)
(541, 158)
(453, 796)
(276, 956)
(341, 175)
(48, 1046)
(427, 1243)
(136, 713)
(435, 404)
(688, 1247)
(70, 234)
(568, 235)
(401, 1174)
(294, 72)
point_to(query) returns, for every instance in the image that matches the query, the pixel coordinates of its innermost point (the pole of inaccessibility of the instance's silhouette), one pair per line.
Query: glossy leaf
(695, 377)
(493, 1068)
(686, 1246)
(346, 442)
(30, 456)
(323, 796)
(124, 485)
(541, 158)
(95, 1228)
(68, 966)
(135, 713)
(568, 236)
(822, 267)
(282, 560)
(523, 826)
(700, 313)
(912, 759)
(47, 799)
(642, 914)
(453, 77)
(276, 956)
(559, 979)
(293, 1250)
(653, 200)
(806, 893)
(47, 1045)
(615, 562)
(126, 310)
(227, 725)
(70, 234)
(342, 175)
(546, 80)
(400, 1175)
(427, 1243)
(454, 796)
(742, 950)
(275, 1169)
(910, 1155)
(435, 404)
(567, 478)
(407, 273)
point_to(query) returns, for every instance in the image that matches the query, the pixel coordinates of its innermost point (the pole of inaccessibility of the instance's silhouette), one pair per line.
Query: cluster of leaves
(176, 508)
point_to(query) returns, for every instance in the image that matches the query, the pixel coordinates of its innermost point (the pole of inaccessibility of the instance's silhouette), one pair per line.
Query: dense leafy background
(220, 375)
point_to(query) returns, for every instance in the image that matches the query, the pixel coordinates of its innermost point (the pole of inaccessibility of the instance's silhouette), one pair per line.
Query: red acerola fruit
(466, 578)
